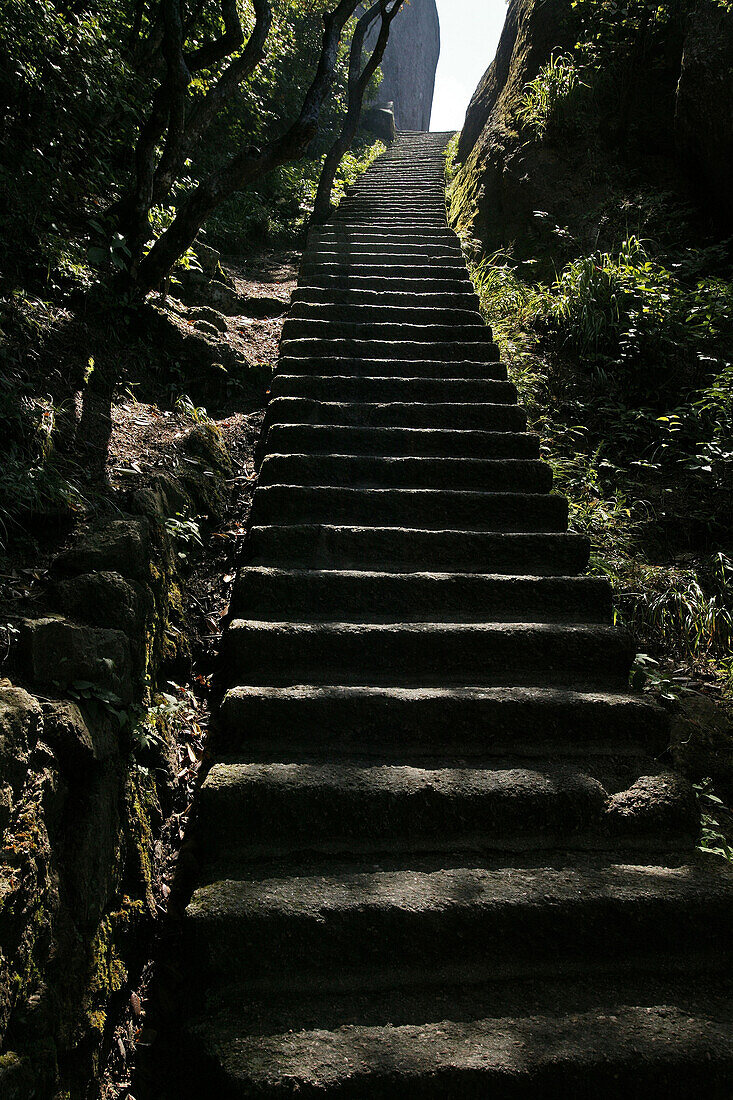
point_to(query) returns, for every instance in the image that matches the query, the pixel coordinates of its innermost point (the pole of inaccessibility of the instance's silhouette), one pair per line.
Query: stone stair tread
(455, 597)
(640, 1039)
(393, 442)
(338, 366)
(353, 926)
(405, 549)
(282, 504)
(427, 654)
(475, 415)
(404, 471)
(397, 722)
(345, 387)
(260, 809)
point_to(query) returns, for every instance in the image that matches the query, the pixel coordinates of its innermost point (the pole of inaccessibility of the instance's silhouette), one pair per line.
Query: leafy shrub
(543, 97)
(585, 354)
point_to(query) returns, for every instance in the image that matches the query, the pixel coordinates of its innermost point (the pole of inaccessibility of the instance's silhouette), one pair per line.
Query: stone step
(373, 267)
(478, 416)
(335, 365)
(398, 724)
(301, 931)
(346, 234)
(409, 549)
(387, 247)
(276, 811)
(590, 657)
(510, 475)
(396, 350)
(357, 596)
(337, 279)
(342, 316)
(641, 1039)
(330, 439)
(429, 509)
(386, 221)
(473, 331)
(382, 255)
(391, 299)
(340, 388)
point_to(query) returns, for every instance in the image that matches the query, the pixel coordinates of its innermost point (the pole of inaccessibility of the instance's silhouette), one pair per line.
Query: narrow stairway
(444, 857)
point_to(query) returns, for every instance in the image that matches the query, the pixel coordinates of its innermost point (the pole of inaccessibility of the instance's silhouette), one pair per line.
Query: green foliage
(627, 305)
(185, 532)
(451, 159)
(612, 34)
(197, 414)
(543, 97)
(74, 94)
(615, 363)
(715, 836)
(69, 110)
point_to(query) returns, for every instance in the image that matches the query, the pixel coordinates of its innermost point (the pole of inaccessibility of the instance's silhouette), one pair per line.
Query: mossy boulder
(57, 651)
(107, 599)
(113, 545)
(21, 721)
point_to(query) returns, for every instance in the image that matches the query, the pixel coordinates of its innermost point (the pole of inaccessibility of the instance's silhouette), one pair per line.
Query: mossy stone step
(337, 722)
(428, 509)
(501, 475)
(409, 549)
(358, 596)
(335, 365)
(330, 439)
(642, 1039)
(587, 656)
(354, 809)
(476, 415)
(285, 930)
(402, 387)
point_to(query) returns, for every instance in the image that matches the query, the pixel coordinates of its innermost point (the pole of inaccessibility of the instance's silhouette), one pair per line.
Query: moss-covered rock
(119, 546)
(648, 111)
(57, 651)
(108, 600)
(20, 725)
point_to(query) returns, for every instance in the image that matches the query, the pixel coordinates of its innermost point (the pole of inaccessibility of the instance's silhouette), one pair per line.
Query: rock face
(409, 65)
(704, 109)
(504, 178)
(664, 126)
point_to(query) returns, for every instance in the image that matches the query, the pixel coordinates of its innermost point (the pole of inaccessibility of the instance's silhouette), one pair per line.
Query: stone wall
(89, 779)
(409, 64)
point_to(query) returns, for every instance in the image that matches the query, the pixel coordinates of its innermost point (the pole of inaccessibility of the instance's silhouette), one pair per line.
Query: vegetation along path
(443, 856)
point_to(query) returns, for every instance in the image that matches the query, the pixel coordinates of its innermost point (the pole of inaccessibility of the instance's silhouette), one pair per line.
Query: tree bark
(246, 167)
(358, 84)
(174, 156)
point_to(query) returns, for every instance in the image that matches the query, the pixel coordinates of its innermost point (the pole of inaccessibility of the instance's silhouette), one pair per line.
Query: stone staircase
(443, 858)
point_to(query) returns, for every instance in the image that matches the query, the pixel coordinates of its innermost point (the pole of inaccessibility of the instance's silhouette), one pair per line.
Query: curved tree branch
(212, 52)
(246, 167)
(174, 156)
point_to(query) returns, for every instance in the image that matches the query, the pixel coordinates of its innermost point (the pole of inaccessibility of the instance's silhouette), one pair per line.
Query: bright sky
(469, 35)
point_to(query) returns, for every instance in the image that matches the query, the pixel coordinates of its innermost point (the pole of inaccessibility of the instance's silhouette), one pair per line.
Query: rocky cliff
(409, 65)
(651, 110)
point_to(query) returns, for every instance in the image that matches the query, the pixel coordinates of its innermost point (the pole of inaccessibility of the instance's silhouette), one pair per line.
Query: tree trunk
(358, 84)
(244, 169)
